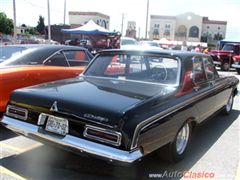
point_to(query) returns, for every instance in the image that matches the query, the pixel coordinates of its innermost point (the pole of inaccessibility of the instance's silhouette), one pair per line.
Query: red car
(224, 57)
(236, 63)
(40, 64)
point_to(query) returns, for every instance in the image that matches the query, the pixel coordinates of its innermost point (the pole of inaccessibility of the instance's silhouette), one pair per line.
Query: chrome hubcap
(229, 103)
(182, 139)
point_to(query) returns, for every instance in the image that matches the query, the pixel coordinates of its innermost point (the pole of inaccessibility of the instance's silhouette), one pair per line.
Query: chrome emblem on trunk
(54, 107)
(98, 118)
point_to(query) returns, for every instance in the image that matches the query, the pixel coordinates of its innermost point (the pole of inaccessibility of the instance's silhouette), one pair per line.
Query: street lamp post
(49, 25)
(64, 16)
(146, 30)
(15, 23)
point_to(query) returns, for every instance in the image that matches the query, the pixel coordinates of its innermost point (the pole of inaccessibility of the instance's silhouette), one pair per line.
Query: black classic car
(126, 104)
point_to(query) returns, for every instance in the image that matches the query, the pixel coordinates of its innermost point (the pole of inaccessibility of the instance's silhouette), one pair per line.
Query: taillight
(17, 112)
(103, 135)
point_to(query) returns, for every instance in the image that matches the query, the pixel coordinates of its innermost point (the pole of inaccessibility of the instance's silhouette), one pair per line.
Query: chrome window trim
(18, 109)
(179, 61)
(49, 57)
(115, 133)
(115, 79)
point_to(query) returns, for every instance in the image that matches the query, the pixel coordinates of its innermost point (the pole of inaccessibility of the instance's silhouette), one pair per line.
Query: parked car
(236, 63)
(9, 51)
(151, 45)
(38, 64)
(155, 102)
(224, 57)
(128, 43)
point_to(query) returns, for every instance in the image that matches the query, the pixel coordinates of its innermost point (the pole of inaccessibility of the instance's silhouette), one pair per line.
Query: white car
(128, 43)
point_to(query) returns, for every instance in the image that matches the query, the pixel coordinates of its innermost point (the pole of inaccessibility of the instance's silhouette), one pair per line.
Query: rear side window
(77, 57)
(209, 68)
(199, 75)
(57, 60)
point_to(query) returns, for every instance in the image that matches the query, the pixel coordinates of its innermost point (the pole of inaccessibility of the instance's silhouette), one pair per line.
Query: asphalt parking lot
(215, 149)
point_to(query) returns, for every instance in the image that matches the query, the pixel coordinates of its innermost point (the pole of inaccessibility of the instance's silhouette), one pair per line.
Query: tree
(6, 24)
(31, 31)
(41, 26)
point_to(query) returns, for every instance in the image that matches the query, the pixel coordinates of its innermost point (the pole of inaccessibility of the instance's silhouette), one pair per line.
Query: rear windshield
(228, 47)
(144, 68)
(7, 52)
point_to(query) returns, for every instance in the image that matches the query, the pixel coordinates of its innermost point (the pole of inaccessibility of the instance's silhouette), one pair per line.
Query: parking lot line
(7, 172)
(237, 177)
(19, 150)
(10, 147)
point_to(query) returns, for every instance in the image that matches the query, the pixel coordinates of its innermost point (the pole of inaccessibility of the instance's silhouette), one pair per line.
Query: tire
(228, 107)
(225, 66)
(238, 70)
(176, 150)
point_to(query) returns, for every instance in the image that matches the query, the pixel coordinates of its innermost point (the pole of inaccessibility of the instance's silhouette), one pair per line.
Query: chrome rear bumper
(236, 65)
(72, 143)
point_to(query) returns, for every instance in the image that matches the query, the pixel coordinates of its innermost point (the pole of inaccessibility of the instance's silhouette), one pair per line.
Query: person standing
(197, 49)
(184, 46)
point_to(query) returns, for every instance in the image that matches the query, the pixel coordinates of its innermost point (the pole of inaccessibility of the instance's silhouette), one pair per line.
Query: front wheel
(176, 150)
(228, 107)
(225, 66)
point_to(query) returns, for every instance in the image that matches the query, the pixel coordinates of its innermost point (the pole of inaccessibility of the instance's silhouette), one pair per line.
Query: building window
(167, 26)
(104, 24)
(156, 26)
(182, 31)
(194, 32)
(167, 30)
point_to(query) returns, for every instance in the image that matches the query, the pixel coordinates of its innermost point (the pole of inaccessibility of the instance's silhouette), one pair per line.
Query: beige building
(77, 19)
(186, 27)
(131, 29)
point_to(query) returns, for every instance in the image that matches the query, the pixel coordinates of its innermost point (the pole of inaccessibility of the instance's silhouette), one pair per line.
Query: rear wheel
(225, 66)
(176, 150)
(228, 107)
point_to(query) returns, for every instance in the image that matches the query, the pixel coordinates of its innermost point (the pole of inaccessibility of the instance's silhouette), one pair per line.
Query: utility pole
(139, 33)
(15, 23)
(49, 24)
(122, 24)
(64, 16)
(146, 30)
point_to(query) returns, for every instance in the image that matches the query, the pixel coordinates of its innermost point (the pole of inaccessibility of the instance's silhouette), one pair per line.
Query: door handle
(196, 88)
(211, 83)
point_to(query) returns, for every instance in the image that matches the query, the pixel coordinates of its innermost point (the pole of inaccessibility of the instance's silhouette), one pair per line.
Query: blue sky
(133, 10)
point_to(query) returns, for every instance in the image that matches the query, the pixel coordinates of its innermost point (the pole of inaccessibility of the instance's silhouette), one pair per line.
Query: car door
(218, 84)
(57, 67)
(206, 99)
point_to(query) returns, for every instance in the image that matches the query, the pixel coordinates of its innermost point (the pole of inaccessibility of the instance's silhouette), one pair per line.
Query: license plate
(57, 125)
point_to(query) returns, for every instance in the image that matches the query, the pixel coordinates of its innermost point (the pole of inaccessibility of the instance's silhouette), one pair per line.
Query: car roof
(44, 46)
(140, 50)
(235, 44)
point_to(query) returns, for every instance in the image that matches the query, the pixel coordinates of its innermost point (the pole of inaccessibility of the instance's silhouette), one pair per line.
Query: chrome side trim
(115, 133)
(147, 122)
(79, 145)
(18, 109)
(216, 62)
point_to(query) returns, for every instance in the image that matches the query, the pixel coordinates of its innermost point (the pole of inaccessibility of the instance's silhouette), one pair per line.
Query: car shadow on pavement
(6, 134)
(52, 163)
